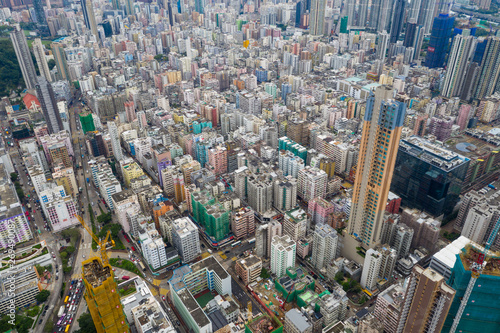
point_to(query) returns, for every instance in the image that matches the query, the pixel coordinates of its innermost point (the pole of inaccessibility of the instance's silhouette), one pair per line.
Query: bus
(67, 329)
(66, 299)
(251, 241)
(142, 266)
(236, 244)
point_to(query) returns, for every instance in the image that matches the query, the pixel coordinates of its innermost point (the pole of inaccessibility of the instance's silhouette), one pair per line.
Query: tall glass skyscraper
(442, 29)
(427, 176)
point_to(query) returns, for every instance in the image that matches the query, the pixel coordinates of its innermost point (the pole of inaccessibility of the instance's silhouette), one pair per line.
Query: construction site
(264, 324)
(103, 299)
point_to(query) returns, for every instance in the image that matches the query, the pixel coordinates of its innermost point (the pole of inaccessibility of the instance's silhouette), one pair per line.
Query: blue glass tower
(440, 41)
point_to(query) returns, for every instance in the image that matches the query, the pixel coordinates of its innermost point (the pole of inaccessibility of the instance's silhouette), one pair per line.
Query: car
(227, 251)
(70, 320)
(46, 307)
(40, 322)
(70, 287)
(57, 277)
(83, 255)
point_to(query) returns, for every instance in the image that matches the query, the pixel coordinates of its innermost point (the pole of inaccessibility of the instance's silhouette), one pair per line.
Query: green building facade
(210, 214)
(87, 123)
(482, 313)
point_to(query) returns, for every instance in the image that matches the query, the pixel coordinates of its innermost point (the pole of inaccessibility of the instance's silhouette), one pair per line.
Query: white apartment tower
(115, 141)
(324, 245)
(153, 247)
(283, 251)
(186, 239)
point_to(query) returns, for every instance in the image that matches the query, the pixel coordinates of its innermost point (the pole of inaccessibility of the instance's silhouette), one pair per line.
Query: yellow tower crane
(100, 243)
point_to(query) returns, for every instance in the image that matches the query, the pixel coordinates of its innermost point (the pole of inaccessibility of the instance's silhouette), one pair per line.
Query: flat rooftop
(211, 264)
(448, 255)
(193, 307)
(434, 154)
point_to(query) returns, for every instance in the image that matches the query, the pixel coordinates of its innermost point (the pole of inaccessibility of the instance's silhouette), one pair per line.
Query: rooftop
(447, 255)
(298, 320)
(434, 154)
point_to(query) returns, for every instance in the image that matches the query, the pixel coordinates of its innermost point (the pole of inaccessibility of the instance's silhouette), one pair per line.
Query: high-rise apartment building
(427, 14)
(186, 239)
(264, 236)
(462, 53)
(320, 211)
(153, 247)
(283, 252)
(317, 18)
(243, 223)
(217, 160)
(103, 298)
(59, 53)
(41, 20)
(89, 17)
(486, 82)
(379, 265)
(426, 302)
(285, 194)
(398, 18)
(324, 245)
(295, 224)
(388, 307)
(115, 141)
(47, 100)
(382, 126)
(440, 40)
(39, 52)
(23, 55)
(249, 269)
(312, 183)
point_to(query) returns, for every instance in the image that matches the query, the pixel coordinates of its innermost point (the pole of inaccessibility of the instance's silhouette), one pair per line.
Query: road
(37, 220)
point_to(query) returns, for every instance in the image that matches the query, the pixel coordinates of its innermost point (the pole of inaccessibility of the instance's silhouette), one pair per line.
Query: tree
(13, 176)
(104, 218)
(264, 274)
(20, 193)
(51, 63)
(10, 73)
(339, 277)
(42, 296)
(86, 324)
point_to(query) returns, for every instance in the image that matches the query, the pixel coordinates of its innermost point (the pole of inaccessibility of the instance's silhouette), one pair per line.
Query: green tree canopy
(86, 324)
(42, 296)
(51, 63)
(13, 176)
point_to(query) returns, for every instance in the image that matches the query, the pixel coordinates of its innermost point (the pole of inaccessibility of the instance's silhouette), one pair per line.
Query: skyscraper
(40, 17)
(41, 60)
(363, 13)
(411, 28)
(462, 52)
(440, 40)
(60, 59)
(317, 17)
(426, 14)
(89, 17)
(382, 44)
(115, 141)
(47, 100)
(426, 303)
(129, 6)
(489, 71)
(382, 126)
(398, 17)
(23, 55)
(103, 298)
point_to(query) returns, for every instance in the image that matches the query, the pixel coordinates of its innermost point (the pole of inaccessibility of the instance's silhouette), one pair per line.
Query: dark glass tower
(397, 20)
(40, 18)
(439, 44)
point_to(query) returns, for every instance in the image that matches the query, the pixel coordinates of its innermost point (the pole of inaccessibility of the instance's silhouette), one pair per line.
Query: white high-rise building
(312, 183)
(153, 247)
(324, 245)
(43, 66)
(186, 239)
(478, 222)
(283, 251)
(59, 208)
(379, 264)
(115, 141)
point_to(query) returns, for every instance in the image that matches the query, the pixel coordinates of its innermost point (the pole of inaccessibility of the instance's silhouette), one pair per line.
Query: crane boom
(100, 243)
(476, 270)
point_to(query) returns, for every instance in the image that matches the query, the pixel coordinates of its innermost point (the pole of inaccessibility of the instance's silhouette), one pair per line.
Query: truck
(88, 180)
(29, 206)
(492, 186)
(125, 277)
(61, 311)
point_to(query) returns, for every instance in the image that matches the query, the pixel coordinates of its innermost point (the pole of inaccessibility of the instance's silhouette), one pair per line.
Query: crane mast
(476, 269)
(100, 243)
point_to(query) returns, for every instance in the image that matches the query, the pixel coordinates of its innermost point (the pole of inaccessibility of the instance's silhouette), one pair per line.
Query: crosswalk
(85, 246)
